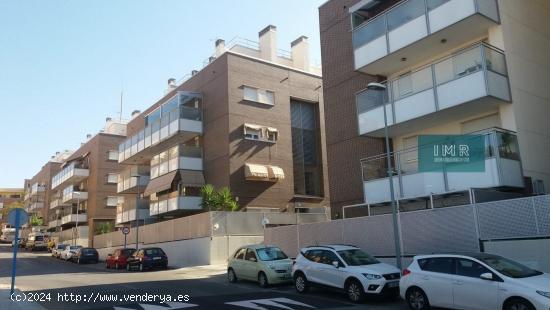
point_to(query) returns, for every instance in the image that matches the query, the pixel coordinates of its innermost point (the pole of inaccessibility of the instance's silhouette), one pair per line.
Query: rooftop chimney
(300, 53)
(88, 136)
(268, 43)
(135, 113)
(57, 153)
(211, 59)
(194, 72)
(108, 119)
(220, 47)
(171, 83)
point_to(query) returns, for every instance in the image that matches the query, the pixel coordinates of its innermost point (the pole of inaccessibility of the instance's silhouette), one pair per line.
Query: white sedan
(478, 281)
(69, 251)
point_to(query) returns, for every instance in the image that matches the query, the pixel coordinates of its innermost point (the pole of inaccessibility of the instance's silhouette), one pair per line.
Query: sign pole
(125, 240)
(15, 247)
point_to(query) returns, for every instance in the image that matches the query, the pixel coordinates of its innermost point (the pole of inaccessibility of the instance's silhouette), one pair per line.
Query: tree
(6, 210)
(208, 195)
(225, 200)
(104, 227)
(36, 220)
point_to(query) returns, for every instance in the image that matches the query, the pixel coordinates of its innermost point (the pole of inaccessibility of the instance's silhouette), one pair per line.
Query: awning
(252, 126)
(255, 172)
(276, 172)
(160, 184)
(271, 129)
(192, 178)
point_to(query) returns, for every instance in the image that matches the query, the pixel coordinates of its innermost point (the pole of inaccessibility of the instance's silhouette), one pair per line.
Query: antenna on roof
(121, 97)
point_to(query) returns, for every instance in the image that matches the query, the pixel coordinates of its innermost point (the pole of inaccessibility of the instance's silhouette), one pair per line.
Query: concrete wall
(532, 253)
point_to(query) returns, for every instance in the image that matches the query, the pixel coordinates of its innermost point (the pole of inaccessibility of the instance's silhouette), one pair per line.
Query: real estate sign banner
(451, 153)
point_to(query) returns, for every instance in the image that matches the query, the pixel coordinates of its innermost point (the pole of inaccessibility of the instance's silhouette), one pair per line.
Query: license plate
(393, 284)
(156, 258)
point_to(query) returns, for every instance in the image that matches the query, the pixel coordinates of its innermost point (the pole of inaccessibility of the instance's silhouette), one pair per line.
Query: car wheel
(300, 283)
(231, 276)
(262, 280)
(519, 304)
(355, 291)
(140, 267)
(417, 299)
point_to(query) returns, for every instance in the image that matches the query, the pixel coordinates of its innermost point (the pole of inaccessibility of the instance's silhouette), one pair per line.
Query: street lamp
(137, 176)
(381, 88)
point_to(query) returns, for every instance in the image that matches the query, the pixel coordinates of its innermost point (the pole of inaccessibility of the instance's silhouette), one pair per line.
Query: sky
(63, 64)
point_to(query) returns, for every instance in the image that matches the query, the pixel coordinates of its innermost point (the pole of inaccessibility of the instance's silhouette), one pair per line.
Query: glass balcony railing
(181, 113)
(72, 194)
(410, 21)
(502, 169)
(473, 73)
(173, 202)
(71, 174)
(37, 188)
(187, 157)
(128, 181)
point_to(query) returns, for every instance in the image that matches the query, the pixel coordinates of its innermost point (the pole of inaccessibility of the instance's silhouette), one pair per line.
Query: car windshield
(38, 238)
(509, 267)
(61, 246)
(88, 250)
(269, 254)
(151, 252)
(127, 252)
(357, 257)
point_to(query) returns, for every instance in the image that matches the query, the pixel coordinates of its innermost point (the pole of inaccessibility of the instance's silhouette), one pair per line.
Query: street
(93, 287)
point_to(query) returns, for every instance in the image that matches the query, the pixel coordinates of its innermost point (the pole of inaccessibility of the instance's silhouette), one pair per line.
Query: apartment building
(84, 197)
(251, 120)
(9, 196)
(449, 67)
(38, 189)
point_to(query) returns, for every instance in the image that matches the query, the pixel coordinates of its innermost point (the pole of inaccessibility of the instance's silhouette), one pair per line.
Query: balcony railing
(396, 31)
(36, 206)
(74, 218)
(54, 224)
(130, 216)
(161, 125)
(37, 189)
(71, 174)
(471, 74)
(187, 157)
(73, 195)
(58, 202)
(174, 204)
(502, 169)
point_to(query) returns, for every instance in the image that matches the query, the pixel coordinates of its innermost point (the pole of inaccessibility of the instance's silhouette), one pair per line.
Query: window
(469, 268)
(240, 253)
(305, 149)
(250, 255)
(437, 264)
(271, 254)
(272, 134)
(112, 155)
(258, 95)
(112, 178)
(357, 257)
(112, 201)
(508, 267)
(253, 132)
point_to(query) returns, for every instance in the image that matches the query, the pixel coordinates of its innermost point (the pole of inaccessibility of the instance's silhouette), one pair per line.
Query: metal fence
(451, 229)
(215, 223)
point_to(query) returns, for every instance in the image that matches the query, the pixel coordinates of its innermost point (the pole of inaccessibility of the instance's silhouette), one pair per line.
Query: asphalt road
(94, 287)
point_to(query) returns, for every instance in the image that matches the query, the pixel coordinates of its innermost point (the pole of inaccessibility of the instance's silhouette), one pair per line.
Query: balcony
(469, 82)
(54, 224)
(73, 195)
(37, 189)
(502, 170)
(414, 31)
(173, 204)
(130, 216)
(72, 174)
(128, 182)
(184, 157)
(35, 206)
(74, 218)
(176, 121)
(58, 203)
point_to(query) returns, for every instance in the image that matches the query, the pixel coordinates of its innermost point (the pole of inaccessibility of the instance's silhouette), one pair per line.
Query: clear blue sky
(63, 63)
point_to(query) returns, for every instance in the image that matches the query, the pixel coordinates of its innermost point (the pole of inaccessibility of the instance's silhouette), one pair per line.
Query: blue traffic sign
(15, 220)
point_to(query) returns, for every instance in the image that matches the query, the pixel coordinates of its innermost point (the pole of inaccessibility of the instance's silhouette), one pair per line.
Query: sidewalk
(7, 303)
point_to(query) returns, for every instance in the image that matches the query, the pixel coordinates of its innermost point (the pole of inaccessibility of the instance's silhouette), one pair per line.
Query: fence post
(536, 215)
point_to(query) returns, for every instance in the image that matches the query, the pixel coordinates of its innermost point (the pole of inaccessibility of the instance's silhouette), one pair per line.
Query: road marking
(274, 302)
(171, 306)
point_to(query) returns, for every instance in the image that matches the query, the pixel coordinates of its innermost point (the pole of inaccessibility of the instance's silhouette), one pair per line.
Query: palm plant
(225, 200)
(208, 197)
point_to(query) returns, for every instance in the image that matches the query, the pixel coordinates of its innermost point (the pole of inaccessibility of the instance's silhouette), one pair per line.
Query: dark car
(86, 255)
(147, 258)
(118, 259)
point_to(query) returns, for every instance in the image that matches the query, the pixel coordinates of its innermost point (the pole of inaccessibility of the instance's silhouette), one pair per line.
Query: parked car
(118, 259)
(85, 255)
(56, 251)
(473, 281)
(347, 268)
(69, 251)
(264, 264)
(37, 241)
(147, 258)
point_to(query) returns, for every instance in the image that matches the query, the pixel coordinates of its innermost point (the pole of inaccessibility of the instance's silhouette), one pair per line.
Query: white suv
(346, 268)
(475, 281)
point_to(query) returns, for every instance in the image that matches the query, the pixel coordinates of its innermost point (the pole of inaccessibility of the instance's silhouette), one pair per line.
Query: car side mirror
(335, 264)
(486, 276)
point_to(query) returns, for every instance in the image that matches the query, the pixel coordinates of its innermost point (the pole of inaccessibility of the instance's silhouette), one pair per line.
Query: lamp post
(137, 176)
(381, 88)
